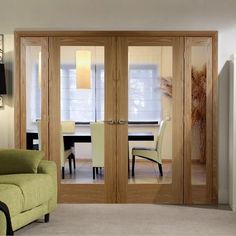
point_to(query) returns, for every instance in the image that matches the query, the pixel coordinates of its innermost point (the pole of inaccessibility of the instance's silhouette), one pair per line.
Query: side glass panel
(150, 114)
(82, 114)
(199, 56)
(33, 96)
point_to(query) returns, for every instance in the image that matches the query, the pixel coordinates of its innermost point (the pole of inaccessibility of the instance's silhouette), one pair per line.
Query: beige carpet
(134, 219)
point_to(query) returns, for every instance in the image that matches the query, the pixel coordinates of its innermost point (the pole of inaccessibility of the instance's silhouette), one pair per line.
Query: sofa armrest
(49, 167)
(3, 224)
(5, 220)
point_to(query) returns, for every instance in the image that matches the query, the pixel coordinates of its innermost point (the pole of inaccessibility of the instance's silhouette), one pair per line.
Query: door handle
(122, 122)
(110, 122)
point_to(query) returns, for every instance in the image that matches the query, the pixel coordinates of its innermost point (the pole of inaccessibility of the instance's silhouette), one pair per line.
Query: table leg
(128, 162)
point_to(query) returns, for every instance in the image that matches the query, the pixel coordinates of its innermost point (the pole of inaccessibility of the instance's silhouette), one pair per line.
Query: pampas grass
(199, 106)
(198, 103)
(166, 86)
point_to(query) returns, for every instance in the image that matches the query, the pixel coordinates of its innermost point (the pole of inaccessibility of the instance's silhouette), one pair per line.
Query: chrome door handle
(122, 122)
(110, 122)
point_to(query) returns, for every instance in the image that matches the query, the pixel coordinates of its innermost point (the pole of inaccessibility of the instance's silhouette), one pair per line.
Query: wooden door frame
(212, 34)
(20, 93)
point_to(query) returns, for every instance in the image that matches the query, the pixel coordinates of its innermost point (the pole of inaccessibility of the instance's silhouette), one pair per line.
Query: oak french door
(137, 80)
(63, 83)
(162, 59)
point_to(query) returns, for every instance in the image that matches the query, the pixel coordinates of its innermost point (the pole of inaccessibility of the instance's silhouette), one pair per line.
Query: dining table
(70, 139)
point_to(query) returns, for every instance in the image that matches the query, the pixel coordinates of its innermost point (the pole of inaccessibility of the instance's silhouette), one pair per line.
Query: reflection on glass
(199, 74)
(82, 113)
(33, 93)
(150, 114)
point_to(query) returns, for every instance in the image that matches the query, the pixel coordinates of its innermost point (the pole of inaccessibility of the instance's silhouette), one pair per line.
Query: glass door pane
(150, 114)
(199, 120)
(34, 73)
(82, 113)
(33, 90)
(199, 56)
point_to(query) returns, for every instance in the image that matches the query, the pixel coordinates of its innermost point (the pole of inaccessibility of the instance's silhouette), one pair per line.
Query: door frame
(212, 34)
(150, 192)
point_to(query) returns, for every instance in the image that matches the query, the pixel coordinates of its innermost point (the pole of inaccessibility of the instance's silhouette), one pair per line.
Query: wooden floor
(145, 172)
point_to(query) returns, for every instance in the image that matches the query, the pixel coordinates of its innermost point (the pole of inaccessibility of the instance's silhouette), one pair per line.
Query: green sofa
(28, 186)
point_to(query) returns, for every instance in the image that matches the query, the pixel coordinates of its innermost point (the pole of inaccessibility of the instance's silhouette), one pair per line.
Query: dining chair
(67, 127)
(38, 123)
(97, 137)
(152, 154)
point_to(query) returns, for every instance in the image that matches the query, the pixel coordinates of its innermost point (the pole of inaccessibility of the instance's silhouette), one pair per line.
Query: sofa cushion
(36, 188)
(15, 161)
(12, 196)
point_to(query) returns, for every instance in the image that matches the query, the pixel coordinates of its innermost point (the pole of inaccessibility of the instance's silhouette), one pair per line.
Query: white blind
(79, 104)
(144, 93)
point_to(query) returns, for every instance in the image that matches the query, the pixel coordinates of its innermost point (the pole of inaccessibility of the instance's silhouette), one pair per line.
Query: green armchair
(28, 187)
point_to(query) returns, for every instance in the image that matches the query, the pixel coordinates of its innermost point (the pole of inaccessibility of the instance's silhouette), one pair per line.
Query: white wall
(127, 15)
(232, 133)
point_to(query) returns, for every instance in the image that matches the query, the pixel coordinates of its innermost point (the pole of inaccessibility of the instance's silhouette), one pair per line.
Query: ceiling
(117, 14)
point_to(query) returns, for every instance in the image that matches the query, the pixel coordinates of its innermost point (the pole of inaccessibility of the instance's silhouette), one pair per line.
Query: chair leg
(46, 218)
(63, 172)
(93, 172)
(160, 169)
(70, 165)
(73, 158)
(133, 164)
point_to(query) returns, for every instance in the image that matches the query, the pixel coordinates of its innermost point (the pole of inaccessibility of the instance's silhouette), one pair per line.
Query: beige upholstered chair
(152, 154)
(38, 123)
(97, 136)
(67, 127)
